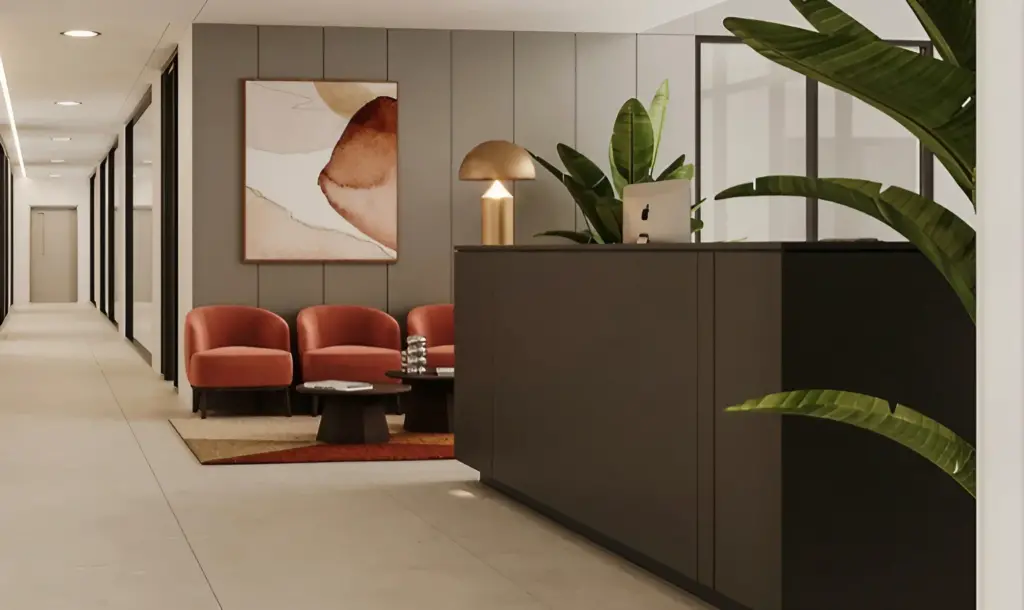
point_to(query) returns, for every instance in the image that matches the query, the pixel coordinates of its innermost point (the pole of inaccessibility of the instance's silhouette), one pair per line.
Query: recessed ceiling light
(61, 139)
(68, 103)
(56, 160)
(55, 175)
(80, 34)
(10, 118)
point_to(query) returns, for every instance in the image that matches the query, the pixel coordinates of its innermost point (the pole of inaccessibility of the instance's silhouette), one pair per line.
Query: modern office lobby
(733, 330)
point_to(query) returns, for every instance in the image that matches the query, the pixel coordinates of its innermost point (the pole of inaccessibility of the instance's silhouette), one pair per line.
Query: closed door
(53, 274)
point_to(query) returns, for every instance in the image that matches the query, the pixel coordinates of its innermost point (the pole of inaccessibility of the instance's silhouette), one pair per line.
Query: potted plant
(632, 155)
(935, 100)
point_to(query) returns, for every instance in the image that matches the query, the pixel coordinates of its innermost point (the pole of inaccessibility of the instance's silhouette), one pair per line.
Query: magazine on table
(340, 386)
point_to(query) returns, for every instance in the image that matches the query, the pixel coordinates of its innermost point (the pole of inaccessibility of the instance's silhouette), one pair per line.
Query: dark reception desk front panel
(592, 382)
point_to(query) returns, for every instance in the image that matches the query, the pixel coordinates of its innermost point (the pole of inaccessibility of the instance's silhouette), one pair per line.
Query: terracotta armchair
(233, 347)
(348, 343)
(437, 324)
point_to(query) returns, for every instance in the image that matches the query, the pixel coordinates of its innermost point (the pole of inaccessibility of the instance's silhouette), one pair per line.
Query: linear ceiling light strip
(10, 117)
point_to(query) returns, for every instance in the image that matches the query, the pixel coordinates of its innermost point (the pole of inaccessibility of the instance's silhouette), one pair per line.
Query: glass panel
(144, 139)
(753, 123)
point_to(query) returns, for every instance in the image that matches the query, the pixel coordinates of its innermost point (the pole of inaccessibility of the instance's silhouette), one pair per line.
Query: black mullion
(103, 237)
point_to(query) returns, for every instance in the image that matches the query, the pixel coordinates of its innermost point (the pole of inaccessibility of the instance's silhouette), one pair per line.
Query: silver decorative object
(414, 358)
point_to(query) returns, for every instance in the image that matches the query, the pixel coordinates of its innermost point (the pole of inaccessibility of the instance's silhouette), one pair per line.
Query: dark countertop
(796, 246)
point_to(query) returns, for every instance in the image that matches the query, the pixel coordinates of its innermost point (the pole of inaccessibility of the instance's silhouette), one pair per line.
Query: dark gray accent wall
(456, 89)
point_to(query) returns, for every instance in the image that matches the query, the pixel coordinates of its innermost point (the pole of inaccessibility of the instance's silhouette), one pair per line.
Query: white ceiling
(109, 74)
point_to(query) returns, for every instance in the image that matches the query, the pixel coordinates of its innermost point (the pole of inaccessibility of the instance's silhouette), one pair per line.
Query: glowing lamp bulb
(497, 191)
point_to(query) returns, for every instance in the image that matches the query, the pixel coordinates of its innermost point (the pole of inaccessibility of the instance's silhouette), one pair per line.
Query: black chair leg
(195, 400)
(288, 401)
(203, 400)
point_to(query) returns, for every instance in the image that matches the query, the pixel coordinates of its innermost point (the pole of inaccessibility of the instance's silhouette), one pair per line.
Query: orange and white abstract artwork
(321, 171)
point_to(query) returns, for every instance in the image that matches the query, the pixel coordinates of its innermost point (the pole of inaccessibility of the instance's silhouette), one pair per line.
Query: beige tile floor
(102, 506)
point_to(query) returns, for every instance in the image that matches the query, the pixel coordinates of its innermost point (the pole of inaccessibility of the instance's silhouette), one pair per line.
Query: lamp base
(497, 226)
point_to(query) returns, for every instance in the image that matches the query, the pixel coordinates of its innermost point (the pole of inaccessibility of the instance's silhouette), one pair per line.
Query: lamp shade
(497, 160)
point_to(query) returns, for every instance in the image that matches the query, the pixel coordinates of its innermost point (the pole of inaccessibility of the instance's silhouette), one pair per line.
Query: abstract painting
(321, 171)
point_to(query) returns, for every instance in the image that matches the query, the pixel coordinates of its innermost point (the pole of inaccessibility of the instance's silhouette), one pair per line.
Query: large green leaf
(696, 224)
(932, 98)
(923, 435)
(585, 201)
(951, 26)
(827, 18)
(946, 240)
(677, 170)
(632, 142)
(580, 237)
(659, 110)
(598, 211)
(618, 180)
(585, 171)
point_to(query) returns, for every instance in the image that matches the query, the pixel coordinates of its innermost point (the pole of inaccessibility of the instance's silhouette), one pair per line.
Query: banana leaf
(923, 435)
(632, 144)
(696, 224)
(584, 199)
(677, 170)
(951, 26)
(659, 110)
(827, 18)
(598, 211)
(946, 240)
(585, 171)
(933, 99)
(580, 237)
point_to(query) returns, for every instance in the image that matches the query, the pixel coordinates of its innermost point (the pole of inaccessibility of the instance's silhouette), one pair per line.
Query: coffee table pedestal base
(428, 408)
(353, 420)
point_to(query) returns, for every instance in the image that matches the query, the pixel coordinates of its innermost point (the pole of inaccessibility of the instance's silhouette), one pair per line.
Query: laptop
(656, 212)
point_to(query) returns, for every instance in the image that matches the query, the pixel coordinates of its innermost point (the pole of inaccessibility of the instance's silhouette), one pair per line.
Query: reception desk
(591, 387)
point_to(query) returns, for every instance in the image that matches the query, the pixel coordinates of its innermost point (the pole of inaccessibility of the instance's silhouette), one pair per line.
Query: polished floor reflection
(104, 507)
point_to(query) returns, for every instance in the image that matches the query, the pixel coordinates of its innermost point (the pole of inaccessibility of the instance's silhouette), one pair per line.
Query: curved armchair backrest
(331, 325)
(216, 326)
(435, 322)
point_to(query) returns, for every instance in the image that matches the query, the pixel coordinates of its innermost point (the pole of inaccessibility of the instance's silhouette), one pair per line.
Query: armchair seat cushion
(441, 355)
(351, 363)
(241, 367)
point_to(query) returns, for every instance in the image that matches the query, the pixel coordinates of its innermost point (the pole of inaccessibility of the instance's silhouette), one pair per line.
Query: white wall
(53, 192)
(184, 205)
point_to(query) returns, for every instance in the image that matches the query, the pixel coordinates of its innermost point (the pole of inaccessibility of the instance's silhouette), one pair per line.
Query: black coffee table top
(430, 375)
(378, 389)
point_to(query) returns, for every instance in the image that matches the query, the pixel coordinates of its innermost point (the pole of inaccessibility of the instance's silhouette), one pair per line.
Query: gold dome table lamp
(497, 160)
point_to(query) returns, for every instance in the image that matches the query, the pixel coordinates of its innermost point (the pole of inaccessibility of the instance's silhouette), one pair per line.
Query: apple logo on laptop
(646, 213)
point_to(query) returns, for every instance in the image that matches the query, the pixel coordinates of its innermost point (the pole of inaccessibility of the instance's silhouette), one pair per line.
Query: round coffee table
(353, 418)
(429, 407)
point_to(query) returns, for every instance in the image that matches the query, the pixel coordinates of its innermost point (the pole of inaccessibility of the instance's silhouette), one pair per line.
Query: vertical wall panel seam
(575, 108)
(451, 163)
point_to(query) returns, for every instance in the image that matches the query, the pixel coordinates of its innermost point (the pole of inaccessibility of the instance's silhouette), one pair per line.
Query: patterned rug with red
(286, 440)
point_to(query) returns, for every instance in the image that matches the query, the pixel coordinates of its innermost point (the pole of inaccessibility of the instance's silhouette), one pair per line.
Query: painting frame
(247, 258)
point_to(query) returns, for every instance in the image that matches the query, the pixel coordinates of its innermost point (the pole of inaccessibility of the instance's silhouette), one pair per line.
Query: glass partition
(144, 138)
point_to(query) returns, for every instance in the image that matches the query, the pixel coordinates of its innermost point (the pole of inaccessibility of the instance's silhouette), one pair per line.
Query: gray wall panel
(291, 53)
(356, 54)
(545, 115)
(420, 60)
(224, 55)
(605, 79)
(482, 109)
(672, 58)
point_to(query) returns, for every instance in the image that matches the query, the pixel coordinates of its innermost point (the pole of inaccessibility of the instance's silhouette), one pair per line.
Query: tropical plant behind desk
(934, 100)
(632, 154)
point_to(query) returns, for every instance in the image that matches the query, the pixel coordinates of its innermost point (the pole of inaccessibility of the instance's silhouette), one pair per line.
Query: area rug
(286, 440)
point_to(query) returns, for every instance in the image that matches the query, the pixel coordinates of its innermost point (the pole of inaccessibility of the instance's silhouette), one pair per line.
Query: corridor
(104, 507)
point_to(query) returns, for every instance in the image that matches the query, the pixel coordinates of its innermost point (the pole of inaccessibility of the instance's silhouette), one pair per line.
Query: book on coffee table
(340, 386)
(445, 371)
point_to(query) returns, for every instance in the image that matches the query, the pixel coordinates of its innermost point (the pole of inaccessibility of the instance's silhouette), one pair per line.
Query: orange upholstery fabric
(437, 324)
(348, 343)
(234, 346)
(350, 363)
(441, 355)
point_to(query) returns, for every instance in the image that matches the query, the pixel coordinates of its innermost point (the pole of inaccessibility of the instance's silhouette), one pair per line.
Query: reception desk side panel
(475, 285)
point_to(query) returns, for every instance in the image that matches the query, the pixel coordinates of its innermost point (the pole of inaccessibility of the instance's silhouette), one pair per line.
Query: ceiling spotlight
(55, 175)
(80, 34)
(56, 160)
(68, 103)
(61, 139)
